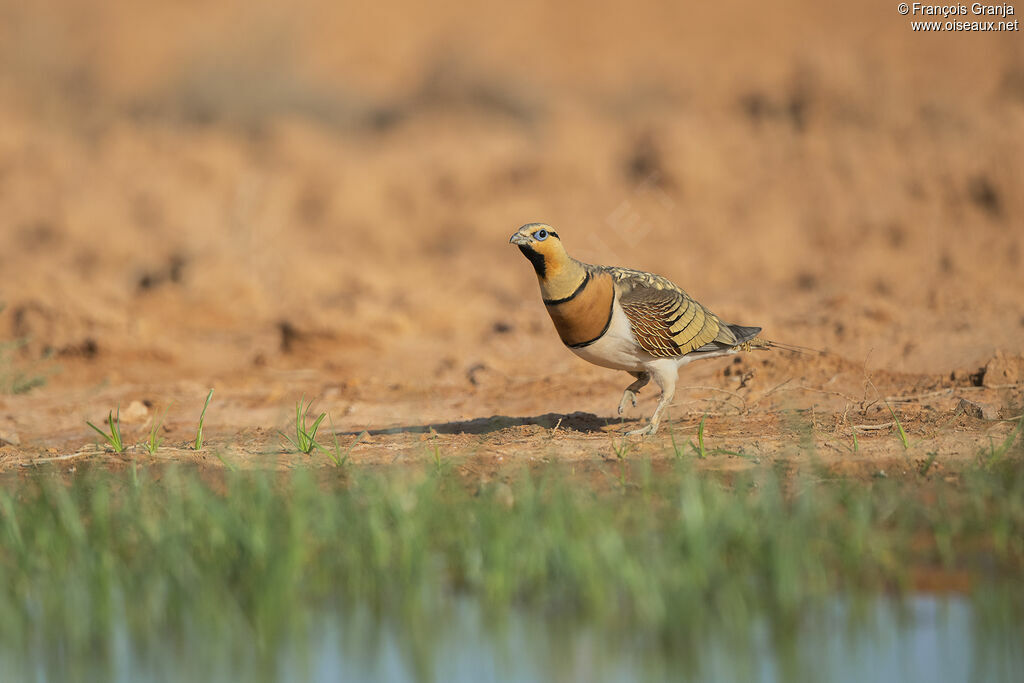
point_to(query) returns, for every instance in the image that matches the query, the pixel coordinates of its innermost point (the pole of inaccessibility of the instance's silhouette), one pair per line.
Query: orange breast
(585, 317)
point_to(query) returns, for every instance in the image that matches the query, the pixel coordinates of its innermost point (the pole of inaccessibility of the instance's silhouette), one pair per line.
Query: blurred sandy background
(267, 196)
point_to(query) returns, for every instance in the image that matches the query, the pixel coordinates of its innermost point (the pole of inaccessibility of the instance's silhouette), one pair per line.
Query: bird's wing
(666, 321)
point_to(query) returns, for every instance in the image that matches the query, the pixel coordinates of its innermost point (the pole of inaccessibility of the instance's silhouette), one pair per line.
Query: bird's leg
(666, 380)
(629, 395)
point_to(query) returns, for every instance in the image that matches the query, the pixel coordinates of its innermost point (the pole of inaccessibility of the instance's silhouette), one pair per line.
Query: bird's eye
(540, 235)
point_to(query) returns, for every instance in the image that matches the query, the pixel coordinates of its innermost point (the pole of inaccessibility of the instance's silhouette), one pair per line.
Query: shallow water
(924, 638)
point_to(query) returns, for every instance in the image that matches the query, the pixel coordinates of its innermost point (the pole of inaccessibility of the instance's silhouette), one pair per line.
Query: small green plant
(904, 439)
(305, 437)
(698, 448)
(899, 426)
(152, 443)
(856, 444)
(337, 457)
(436, 450)
(114, 437)
(202, 416)
(676, 451)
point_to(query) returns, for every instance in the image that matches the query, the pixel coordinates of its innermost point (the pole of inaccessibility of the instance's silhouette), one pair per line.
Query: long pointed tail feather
(765, 344)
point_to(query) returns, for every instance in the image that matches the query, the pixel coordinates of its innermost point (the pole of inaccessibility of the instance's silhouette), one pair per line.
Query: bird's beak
(519, 239)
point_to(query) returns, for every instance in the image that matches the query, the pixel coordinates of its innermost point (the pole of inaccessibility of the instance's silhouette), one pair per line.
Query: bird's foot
(627, 397)
(648, 430)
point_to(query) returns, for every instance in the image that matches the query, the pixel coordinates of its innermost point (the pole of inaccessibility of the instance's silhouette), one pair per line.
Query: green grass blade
(202, 416)
(152, 445)
(699, 447)
(335, 454)
(675, 446)
(316, 426)
(899, 426)
(100, 432)
(290, 440)
(115, 430)
(114, 437)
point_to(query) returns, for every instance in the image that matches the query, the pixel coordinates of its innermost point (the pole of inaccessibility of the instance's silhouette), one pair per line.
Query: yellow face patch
(541, 245)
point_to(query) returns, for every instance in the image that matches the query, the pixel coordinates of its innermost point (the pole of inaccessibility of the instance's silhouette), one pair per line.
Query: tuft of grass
(337, 457)
(153, 441)
(698, 448)
(198, 444)
(899, 427)
(622, 448)
(435, 450)
(676, 451)
(305, 437)
(114, 424)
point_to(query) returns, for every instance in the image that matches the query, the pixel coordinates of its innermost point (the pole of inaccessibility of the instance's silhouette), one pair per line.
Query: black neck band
(555, 302)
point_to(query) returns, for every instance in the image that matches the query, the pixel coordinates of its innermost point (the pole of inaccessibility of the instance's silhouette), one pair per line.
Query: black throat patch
(536, 258)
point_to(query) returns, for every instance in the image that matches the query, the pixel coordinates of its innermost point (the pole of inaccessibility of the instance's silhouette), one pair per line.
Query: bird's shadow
(587, 423)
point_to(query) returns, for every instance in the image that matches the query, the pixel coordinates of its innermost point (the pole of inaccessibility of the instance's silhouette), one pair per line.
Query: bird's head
(541, 245)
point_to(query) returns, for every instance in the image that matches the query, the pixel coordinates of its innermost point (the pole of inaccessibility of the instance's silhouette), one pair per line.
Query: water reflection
(923, 638)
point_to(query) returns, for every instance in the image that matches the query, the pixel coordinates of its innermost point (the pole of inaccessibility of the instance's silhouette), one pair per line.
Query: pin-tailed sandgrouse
(627, 319)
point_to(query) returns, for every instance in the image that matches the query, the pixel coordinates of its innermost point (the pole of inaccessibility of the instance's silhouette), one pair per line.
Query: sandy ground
(278, 203)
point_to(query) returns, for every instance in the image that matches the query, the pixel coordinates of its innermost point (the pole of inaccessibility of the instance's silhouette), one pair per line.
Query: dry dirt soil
(278, 200)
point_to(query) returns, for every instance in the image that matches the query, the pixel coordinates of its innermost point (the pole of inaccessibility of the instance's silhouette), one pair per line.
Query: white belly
(619, 350)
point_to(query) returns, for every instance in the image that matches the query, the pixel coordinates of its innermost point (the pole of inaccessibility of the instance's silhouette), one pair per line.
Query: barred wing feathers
(668, 322)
